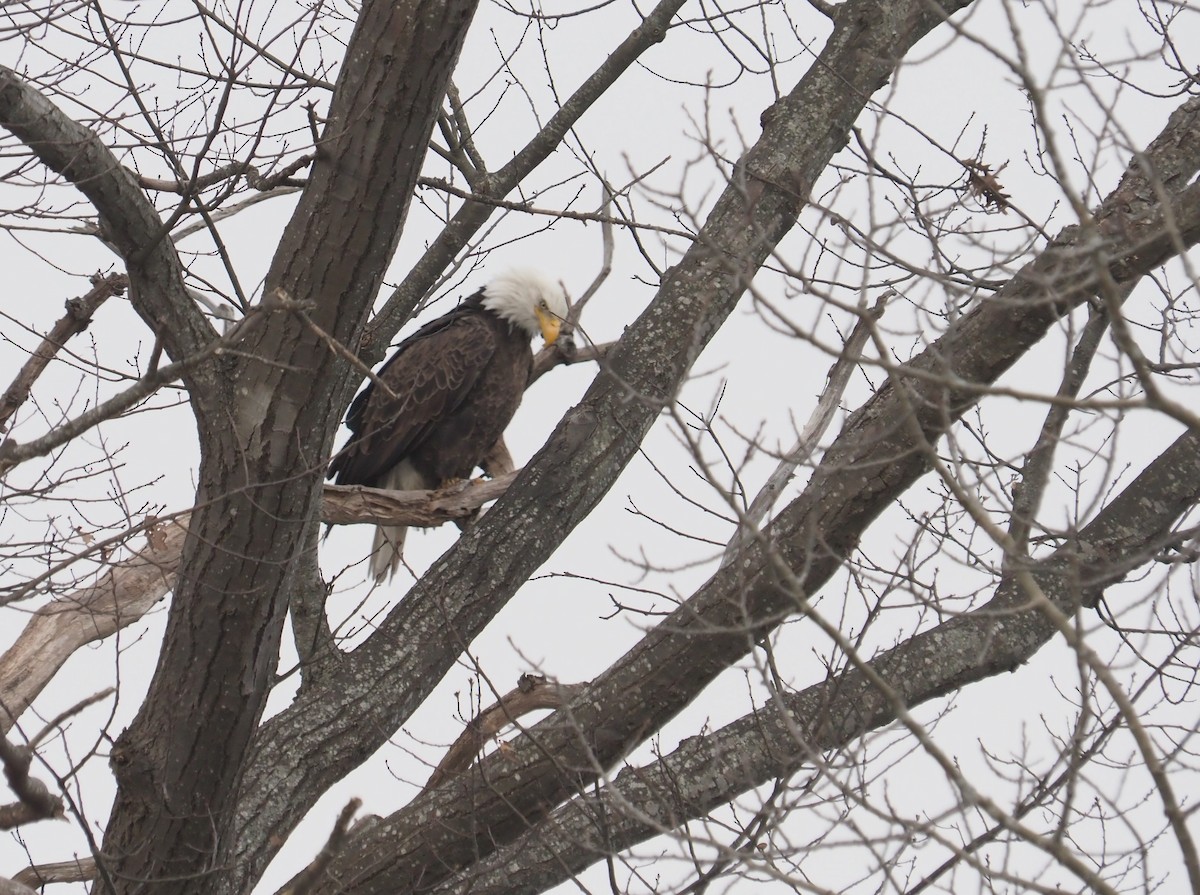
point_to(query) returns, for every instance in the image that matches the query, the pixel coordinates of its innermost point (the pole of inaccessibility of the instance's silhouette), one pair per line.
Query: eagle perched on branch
(455, 385)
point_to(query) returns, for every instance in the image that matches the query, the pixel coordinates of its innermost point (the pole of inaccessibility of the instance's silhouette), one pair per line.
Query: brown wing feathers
(451, 390)
(429, 375)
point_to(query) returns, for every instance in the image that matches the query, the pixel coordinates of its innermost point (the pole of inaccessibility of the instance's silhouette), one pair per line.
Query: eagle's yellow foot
(454, 486)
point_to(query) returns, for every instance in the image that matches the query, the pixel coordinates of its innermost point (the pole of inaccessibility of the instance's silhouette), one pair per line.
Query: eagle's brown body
(455, 385)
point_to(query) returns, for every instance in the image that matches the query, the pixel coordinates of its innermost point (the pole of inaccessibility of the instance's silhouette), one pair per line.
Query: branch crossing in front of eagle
(454, 386)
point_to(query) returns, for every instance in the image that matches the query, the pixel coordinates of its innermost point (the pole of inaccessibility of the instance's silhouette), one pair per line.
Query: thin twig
(436, 183)
(606, 255)
(13, 453)
(306, 878)
(54, 723)
(818, 422)
(339, 349)
(532, 693)
(76, 320)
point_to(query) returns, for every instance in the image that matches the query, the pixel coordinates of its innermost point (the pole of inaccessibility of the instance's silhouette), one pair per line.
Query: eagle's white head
(529, 300)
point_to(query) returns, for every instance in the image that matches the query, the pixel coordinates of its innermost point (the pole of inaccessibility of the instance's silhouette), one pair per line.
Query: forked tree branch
(76, 320)
(324, 729)
(532, 693)
(13, 453)
(36, 801)
(130, 587)
(128, 219)
(881, 451)
(796, 730)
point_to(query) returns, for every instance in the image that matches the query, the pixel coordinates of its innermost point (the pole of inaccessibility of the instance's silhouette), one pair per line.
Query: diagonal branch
(836, 381)
(264, 430)
(76, 320)
(130, 222)
(1039, 463)
(796, 729)
(121, 596)
(532, 693)
(879, 454)
(129, 588)
(13, 452)
(492, 188)
(386, 679)
(36, 802)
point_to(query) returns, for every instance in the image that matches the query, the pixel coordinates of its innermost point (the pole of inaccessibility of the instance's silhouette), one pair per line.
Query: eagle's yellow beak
(549, 323)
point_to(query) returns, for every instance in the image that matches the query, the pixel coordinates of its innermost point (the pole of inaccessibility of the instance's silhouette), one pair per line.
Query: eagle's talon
(439, 406)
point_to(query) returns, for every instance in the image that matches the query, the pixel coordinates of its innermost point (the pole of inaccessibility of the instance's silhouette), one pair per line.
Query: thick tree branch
(128, 219)
(881, 451)
(79, 870)
(330, 730)
(120, 597)
(128, 590)
(266, 428)
(349, 504)
(796, 729)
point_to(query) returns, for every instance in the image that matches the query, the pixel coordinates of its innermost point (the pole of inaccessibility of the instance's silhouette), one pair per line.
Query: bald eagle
(456, 383)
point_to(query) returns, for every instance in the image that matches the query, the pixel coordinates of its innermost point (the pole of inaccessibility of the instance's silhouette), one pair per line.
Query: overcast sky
(684, 115)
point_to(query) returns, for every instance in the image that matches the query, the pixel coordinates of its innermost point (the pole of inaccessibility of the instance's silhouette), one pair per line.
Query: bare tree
(977, 218)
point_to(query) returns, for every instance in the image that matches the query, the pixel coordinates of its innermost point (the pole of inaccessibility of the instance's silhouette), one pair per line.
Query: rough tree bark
(881, 451)
(208, 793)
(798, 728)
(266, 421)
(327, 731)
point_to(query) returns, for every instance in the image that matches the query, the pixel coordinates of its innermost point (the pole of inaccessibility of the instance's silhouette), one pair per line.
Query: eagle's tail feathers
(387, 551)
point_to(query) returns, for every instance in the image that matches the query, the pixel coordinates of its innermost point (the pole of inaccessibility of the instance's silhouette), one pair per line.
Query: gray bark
(797, 728)
(207, 793)
(331, 729)
(882, 450)
(266, 423)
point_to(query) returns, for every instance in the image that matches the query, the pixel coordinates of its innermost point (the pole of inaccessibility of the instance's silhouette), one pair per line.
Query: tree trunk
(266, 431)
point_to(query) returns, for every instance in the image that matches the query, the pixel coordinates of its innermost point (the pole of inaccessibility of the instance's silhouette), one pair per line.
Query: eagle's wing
(429, 376)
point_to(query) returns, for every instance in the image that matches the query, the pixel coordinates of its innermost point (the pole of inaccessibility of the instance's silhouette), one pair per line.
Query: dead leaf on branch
(982, 183)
